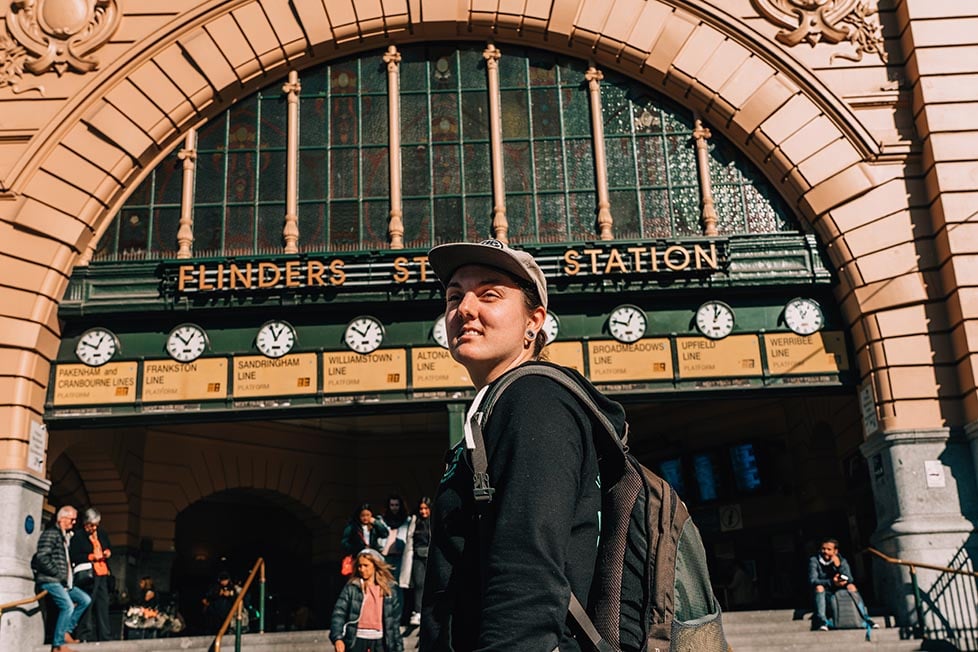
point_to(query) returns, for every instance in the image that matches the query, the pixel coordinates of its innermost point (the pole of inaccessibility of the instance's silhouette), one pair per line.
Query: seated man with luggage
(828, 572)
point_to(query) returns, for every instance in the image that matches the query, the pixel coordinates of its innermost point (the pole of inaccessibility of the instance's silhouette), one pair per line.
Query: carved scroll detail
(42, 35)
(834, 21)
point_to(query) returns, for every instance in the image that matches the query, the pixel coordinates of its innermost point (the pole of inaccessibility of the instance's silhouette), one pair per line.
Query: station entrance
(764, 475)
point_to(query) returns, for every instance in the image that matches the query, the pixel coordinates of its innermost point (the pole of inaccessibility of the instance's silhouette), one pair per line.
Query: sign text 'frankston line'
(312, 273)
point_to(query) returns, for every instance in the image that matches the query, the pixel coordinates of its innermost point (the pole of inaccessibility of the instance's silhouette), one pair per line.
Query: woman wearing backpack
(500, 573)
(367, 614)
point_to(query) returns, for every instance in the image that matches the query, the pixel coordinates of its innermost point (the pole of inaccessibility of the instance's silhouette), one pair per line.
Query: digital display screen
(706, 478)
(672, 472)
(747, 475)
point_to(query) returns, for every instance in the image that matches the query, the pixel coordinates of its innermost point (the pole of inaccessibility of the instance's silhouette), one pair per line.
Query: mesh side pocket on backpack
(694, 594)
(702, 635)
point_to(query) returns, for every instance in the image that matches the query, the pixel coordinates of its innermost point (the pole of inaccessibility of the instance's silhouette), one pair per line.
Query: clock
(186, 342)
(551, 326)
(803, 316)
(715, 319)
(364, 334)
(627, 323)
(275, 338)
(440, 332)
(96, 346)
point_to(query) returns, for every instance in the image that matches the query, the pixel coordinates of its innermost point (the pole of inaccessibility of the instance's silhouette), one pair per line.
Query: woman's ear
(537, 317)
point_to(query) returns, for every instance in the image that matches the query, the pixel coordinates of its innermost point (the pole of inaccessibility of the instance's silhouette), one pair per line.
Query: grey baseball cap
(447, 258)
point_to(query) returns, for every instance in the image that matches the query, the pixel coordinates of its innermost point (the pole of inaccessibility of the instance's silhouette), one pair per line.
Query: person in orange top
(91, 549)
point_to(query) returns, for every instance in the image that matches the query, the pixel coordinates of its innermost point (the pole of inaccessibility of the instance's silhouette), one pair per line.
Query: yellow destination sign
(820, 353)
(737, 355)
(612, 362)
(353, 373)
(290, 375)
(568, 354)
(78, 384)
(434, 368)
(203, 379)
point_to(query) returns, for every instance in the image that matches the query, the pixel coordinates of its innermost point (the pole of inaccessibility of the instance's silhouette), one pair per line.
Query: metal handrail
(238, 606)
(22, 601)
(918, 603)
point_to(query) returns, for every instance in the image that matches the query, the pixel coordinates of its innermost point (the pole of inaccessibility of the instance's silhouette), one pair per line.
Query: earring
(530, 334)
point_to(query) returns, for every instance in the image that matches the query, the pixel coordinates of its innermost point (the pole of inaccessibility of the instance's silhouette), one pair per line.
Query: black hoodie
(505, 584)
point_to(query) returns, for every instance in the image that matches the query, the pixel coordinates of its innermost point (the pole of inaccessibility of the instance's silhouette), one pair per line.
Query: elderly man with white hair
(53, 574)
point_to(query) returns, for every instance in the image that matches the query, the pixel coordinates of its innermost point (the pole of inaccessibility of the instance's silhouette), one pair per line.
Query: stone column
(926, 505)
(21, 500)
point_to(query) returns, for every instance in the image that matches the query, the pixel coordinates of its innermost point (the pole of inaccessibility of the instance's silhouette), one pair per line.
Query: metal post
(237, 628)
(918, 605)
(261, 601)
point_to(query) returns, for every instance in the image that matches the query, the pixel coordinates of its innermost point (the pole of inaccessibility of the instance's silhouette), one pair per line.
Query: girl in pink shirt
(367, 614)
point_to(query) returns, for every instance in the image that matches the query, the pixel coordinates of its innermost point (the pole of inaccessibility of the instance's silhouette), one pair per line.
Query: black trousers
(364, 645)
(94, 625)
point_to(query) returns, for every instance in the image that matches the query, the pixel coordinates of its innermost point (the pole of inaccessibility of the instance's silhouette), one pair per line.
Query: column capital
(27, 480)
(889, 438)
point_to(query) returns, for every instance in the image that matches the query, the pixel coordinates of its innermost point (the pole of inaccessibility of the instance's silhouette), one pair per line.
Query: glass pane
(656, 215)
(343, 173)
(271, 221)
(515, 114)
(548, 165)
(686, 211)
(169, 180)
(417, 223)
(651, 161)
(343, 123)
(413, 69)
(516, 163)
(444, 117)
(373, 112)
(239, 230)
(681, 159)
(241, 177)
(472, 68)
(344, 78)
(271, 186)
(166, 222)
(414, 119)
(551, 213)
(373, 75)
(475, 115)
(545, 112)
(208, 230)
(312, 227)
(274, 123)
(542, 68)
(312, 175)
(621, 162)
(448, 217)
(442, 68)
(478, 170)
(344, 226)
(446, 173)
(582, 216)
(416, 166)
(624, 212)
(134, 232)
(376, 221)
(512, 68)
(580, 164)
(616, 110)
(213, 135)
(729, 204)
(312, 121)
(209, 179)
(478, 218)
(519, 215)
(577, 113)
(376, 171)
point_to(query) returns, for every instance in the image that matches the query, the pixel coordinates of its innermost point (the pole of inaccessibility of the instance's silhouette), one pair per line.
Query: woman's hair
(149, 585)
(91, 515)
(383, 574)
(532, 301)
(355, 516)
(424, 500)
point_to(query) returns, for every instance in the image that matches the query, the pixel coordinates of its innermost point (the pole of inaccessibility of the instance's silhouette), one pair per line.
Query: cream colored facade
(878, 157)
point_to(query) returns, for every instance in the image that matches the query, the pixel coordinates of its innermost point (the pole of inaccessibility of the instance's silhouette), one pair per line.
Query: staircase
(789, 631)
(747, 631)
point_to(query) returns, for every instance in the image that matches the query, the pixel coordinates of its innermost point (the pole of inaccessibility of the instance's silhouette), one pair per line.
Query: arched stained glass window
(342, 159)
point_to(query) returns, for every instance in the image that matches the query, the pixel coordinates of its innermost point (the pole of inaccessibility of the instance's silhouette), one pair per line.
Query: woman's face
(366, 516)
(487, 319)
(365, 567)
(424, 511)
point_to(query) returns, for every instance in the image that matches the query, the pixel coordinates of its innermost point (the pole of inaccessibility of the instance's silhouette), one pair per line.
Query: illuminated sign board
(789, 354)
(646, 359)
(201, 380)
(78, 384)
(568, 354)
(434, 368)
(346, 372)
(290, 375)
(737, 355)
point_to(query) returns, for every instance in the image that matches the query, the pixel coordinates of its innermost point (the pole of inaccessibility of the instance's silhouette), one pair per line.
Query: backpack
(651, 589)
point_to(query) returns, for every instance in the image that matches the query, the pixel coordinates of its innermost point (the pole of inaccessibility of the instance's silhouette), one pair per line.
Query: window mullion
(395, 228)
(290, 230)
(594, 77)
(185, 232)
(500, 226)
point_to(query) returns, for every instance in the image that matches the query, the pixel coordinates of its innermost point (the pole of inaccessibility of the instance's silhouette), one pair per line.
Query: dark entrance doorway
(227, 532)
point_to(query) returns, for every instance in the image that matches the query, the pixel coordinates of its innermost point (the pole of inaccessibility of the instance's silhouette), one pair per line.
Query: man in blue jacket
(828, 571)
(53, 574)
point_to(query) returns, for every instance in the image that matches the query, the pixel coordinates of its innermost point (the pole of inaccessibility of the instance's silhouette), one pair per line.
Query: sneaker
(823, 628)
(415, 618)
(873, 624)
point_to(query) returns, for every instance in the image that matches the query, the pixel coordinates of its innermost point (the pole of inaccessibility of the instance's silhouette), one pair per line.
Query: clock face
(551, 326)
(275, 338)
(96, 346)
(440, 332)
(627, 324)
(364, 334)
(803, 316)
(186, 342)
(715, 319)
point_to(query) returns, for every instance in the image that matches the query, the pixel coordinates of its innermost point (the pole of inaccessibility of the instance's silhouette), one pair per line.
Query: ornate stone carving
(54, 34)
(835, 21)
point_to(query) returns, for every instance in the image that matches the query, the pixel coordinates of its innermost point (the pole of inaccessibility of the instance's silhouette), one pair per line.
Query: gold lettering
(220, 276)
(185, 274)
(236, 276)
(424, 266)
(401, 272)
(338, 275)
(314, 272)
(263, 280)
(655, 259)
(292, 274)
(637, 252)
(571, 267)
(702, 257)
(614, 258)
(593, 253)
(667, 258)
(201, 280)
